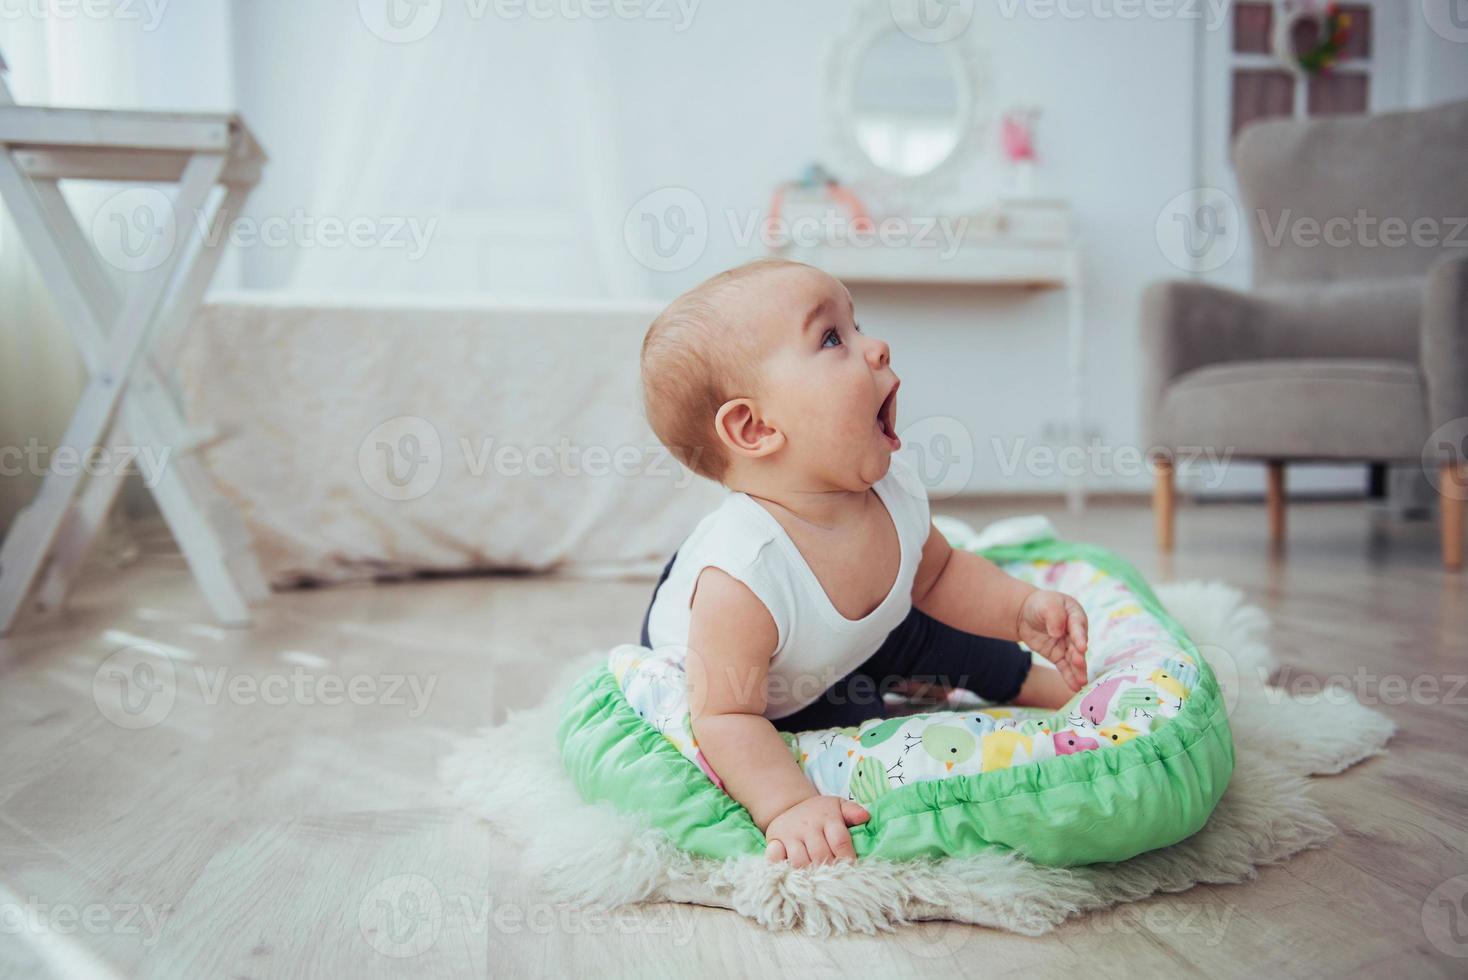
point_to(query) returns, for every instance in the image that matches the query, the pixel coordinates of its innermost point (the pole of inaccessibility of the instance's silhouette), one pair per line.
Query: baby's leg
(852, 700)
(925, 650)
(1044, 688)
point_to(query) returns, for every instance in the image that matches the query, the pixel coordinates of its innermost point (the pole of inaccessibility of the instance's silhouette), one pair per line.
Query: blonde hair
(693, 361)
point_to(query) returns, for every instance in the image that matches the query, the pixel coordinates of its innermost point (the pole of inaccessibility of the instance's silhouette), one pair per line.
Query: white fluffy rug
(595, 855)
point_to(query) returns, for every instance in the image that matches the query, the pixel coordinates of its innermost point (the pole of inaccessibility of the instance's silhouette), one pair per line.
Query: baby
(820, 581)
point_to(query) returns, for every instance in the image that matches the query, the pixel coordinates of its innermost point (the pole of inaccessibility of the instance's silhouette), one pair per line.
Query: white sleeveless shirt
(817, 645)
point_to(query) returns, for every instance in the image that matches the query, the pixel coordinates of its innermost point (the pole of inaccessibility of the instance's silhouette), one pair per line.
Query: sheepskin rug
(586, 854)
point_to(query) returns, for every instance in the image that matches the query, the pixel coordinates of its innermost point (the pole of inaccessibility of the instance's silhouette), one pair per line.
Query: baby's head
(761, 372)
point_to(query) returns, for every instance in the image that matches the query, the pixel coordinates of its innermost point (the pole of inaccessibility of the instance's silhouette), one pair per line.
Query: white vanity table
(909, 118)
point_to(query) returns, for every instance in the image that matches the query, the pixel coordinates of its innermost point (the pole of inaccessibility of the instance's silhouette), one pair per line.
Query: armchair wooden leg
(1163, 497)
(1453, 489)
(1274, 498)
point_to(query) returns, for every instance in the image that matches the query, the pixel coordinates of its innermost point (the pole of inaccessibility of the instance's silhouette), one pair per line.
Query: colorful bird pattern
(1142, 677)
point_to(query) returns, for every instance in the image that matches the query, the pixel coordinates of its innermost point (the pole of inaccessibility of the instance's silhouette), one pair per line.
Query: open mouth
(887, 419)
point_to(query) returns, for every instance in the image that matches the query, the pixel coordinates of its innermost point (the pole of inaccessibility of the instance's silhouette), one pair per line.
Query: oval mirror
(906, 104)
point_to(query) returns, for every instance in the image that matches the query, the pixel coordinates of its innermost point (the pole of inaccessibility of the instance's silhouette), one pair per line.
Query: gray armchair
(1353, 344)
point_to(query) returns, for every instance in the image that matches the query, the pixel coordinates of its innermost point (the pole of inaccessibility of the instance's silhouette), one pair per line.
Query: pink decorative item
(1017, 141)
(1017, 136)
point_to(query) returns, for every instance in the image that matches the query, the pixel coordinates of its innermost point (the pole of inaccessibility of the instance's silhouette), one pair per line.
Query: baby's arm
(731, 640)
(971, 593)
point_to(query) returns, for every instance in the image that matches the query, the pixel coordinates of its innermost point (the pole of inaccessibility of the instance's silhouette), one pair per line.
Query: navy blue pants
(920, 649)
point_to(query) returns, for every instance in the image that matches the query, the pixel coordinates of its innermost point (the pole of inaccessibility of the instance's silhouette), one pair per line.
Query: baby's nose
(879, 354)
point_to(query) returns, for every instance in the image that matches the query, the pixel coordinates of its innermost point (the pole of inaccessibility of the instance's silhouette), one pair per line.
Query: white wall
(527, 140)
(728, 108)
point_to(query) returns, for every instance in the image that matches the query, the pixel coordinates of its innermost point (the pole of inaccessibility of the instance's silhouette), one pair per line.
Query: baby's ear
(743, 431)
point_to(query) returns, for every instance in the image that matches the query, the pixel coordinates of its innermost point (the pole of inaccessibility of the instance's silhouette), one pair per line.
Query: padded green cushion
(1102, 805)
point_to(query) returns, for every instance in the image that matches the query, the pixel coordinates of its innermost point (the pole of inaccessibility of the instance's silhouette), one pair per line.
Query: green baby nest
(1136, 761)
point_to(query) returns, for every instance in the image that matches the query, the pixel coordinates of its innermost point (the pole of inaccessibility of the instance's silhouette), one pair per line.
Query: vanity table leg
(1075, 493)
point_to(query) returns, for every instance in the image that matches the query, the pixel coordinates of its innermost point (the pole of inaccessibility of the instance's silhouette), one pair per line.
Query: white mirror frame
(870, 20)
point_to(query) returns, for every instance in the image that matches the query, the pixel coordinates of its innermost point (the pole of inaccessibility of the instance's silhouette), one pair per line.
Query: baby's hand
(813, 831)
(1054, 625)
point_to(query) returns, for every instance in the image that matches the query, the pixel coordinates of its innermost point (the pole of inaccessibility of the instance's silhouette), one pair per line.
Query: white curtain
(483, 157)
(41, 374)
(117, 62)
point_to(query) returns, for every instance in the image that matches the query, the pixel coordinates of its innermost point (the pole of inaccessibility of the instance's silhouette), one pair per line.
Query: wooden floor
(272, 808)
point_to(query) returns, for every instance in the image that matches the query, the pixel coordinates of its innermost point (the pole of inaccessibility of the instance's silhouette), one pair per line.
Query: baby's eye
(831, 335)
